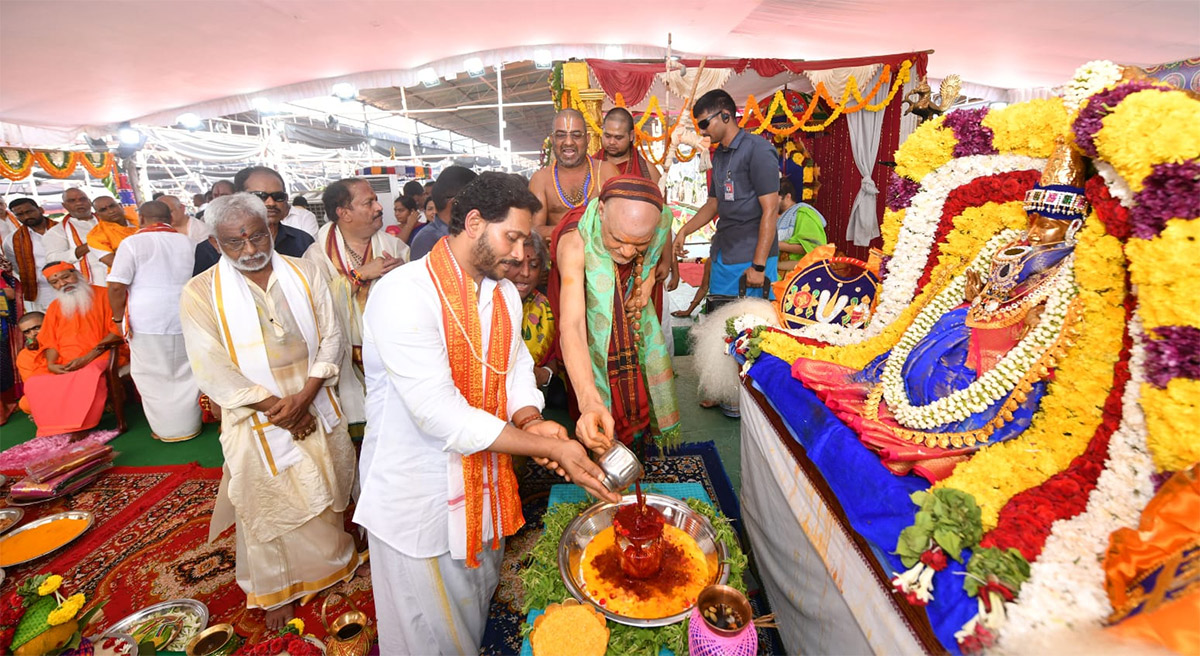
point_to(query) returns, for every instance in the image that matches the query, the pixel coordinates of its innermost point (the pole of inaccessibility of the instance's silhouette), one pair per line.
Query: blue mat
(875, 501)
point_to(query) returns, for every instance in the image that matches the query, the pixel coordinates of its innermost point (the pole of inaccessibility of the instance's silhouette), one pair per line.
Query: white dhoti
(305, 560)
(160, 369)
(431, 605)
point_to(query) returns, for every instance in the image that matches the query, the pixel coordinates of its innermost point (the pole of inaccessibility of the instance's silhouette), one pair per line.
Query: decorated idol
(972, 367)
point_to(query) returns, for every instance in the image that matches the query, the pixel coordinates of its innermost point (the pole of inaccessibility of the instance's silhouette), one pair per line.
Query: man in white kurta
(354, 252)
(144, 287)
(67, 241)
(265, 345)
(26, 249)
(440, 394)
(302, 219)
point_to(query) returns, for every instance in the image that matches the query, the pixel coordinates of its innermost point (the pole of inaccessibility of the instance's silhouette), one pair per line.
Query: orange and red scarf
(156, 227)
(484, 388)
(83, 261)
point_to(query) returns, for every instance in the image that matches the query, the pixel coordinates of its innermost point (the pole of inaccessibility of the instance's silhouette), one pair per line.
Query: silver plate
(131, 622)
(595, 519)
(70, 514)
(13, 514)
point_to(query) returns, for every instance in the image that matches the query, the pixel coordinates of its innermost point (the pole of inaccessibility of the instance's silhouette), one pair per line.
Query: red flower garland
(998, 188)
(287, 643)
(1026, 519)
(1109, 210)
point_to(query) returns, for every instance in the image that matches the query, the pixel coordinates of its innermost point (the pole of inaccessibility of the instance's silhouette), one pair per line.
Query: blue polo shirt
(750, 165)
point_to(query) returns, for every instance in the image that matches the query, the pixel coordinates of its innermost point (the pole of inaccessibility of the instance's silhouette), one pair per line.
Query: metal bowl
(621, 468)
(11, 515)
(595, 519)
(70, 514)
(131, 622)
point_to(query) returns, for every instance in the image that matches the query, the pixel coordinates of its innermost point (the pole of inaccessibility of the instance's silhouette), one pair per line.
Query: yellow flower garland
(1164, 270)
(973, 228)
(1027, 128)
(1147, 128)
(890, 229)
(49, 585)
(1071, 410)
(1173, 423)
(930, 146)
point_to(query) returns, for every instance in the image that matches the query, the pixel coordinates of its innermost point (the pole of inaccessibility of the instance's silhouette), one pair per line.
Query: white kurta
(302, 219)
(61, 244)
(352, 388)
(155, 266)
(45, 293)
(291, 539)
(418, 428)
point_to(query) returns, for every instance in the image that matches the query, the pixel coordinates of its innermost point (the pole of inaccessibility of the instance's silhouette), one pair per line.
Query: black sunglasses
(277, 196)
(703, 123)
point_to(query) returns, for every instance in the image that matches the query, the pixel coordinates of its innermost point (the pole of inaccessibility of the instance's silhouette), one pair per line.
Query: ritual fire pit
(589, 561)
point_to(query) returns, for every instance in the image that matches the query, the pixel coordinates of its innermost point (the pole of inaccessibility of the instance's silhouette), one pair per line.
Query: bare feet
(364, 569)
(278, 617)
(708, 403)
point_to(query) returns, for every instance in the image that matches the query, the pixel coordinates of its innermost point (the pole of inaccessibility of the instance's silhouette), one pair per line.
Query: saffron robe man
(265, 346)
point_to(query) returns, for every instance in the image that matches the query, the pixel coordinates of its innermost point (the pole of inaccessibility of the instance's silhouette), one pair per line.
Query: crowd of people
(436, 340)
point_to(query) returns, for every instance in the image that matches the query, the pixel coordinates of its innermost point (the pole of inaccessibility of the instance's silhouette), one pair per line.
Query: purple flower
(1091, 117)
(1175, 353)
(973, 137)
(1171, 191)
(900, 192)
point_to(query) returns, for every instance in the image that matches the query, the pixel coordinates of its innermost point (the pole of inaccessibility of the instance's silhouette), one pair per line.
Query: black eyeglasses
(703, 123)
(277, 196)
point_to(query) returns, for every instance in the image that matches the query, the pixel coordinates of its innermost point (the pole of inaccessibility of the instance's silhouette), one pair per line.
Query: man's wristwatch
(761, 268)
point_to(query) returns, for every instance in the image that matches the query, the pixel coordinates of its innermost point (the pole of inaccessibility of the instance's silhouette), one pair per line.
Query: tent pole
(507, 160)
(412, 148)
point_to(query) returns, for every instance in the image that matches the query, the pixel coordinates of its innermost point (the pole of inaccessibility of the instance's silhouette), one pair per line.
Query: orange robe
(65, 403)
(31, 363)
(106, 236)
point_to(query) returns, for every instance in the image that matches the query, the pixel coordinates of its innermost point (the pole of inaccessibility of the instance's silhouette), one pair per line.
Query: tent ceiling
(526, 127)
(74, 63)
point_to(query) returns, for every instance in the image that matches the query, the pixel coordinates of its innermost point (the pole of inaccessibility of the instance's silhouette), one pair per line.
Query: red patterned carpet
(149, 544)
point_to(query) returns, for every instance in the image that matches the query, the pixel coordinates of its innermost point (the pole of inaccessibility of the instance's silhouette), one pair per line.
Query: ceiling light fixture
(128, 135)
(543, 59)
(345, 91)
(189, 121)
(262, 105)
(614, 52)
(428, 76)
(474, 66)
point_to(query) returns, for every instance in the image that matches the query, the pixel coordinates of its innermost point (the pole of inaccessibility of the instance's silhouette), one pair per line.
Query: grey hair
(538, 244)
(233, 207)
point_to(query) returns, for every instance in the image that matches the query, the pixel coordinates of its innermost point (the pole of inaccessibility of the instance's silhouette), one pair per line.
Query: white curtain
(835, 79)
(866, 129)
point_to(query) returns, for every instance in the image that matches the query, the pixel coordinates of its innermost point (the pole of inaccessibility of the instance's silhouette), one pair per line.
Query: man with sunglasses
(744, 192)
(267, 185)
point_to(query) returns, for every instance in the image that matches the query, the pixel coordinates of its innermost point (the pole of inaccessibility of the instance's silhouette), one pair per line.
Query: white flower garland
(1117, 186)
(1000, 380)
(1089, 79)
(1065, 590)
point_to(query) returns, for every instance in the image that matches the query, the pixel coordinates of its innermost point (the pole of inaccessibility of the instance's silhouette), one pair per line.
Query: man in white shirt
(301, 218)
(26, 249)
(67, 241)
(195, 229)
(446, 370)
(8, 223)
(149, 272)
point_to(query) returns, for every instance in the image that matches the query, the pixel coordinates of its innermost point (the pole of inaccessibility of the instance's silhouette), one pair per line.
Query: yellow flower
(66, 610)
(297, 624)
(1027, 128)
(1147, 128)
(972, 230)
(892, 220)
(1173, 423)
(927, 148)
(1163, 270)
(49, 585)
(1071, 410)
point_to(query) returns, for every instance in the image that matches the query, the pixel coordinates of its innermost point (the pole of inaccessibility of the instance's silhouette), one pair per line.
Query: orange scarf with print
(483, 387)
(26, 264)
(84, 267)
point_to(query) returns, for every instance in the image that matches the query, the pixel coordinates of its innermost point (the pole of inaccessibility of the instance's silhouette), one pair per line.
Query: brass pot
(735, 601)
(216, 640)
(348, 635)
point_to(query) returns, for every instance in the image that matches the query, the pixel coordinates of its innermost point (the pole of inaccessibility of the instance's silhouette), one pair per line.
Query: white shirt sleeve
(406, 331)
(124, 265)
(59, 247)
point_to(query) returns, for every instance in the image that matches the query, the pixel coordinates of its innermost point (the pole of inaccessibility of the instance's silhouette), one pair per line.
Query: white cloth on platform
(431, 605)
(418, 424)
(160, 369)
(45, 293)
(61, 242)
(286, 513)
(302, 219)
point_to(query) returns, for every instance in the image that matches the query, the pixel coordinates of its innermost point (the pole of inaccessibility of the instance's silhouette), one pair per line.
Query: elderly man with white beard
(265, 345)
(77, 334)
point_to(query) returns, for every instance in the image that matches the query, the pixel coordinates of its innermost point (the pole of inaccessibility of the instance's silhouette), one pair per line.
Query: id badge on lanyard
(729, 185)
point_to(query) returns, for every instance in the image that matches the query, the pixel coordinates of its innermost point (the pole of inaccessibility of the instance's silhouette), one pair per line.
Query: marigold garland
(1071, 410)
(1028, 128)
(1164, 271)
(890, 229)
(1150, 127)
(1173, 423)
(930, 146)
